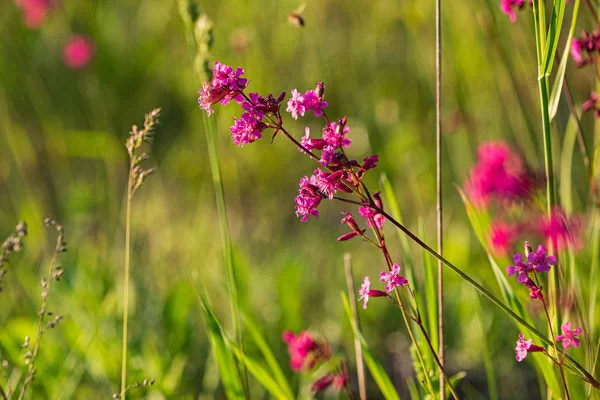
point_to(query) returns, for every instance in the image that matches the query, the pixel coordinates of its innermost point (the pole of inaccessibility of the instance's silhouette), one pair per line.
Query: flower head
(502, 236)
(365, 292)
(35, 11)
(351, 222)
(78, 52)
(393, 278)
(295, 104)
(246, 130)
(305, 351)
(539, 260)
(559, 229)
(569, 336)
(226, 84)
(524, 347)
(521, 267)
(576, 50)
(313, 102)
(499, 173)
(508, 7)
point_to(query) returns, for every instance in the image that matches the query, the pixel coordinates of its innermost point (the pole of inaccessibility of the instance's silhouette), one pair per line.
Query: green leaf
(556, 20)
(227, 368)
(381, 378)
(272, 363)
(562, 67)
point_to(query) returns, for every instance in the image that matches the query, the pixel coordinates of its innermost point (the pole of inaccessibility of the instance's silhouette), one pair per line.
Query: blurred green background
(62, 154)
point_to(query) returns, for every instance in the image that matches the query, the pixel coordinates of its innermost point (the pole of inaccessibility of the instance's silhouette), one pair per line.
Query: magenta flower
(539, 260)
(576, 50)
(311, 143)
(305, 351)
(35, 11)
(78, 52)
(499, 173)
(312, 101)
(356, 231)
(328, 182)
(335, 134)
(370, 162)
(308, 199)
(226, 84)
(393, 278)
(559, 229)
(246, 130)
(591, 104)
(370, 214)
(295, 105)
(508, 7)
(524, 347)
(522, 267)
(365, 292)
(569, 336)
(502, 237)
(535, 292)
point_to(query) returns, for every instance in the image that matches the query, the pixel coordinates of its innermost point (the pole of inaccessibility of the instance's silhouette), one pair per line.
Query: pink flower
(393, 278)
(559, 229)
(305, 351)
(335, 134)
(312, 101)
(78, 52)
(35, 11)
(508, 6)
(328, 182)
(524, 347)
(225, 85)
(522, 267)
(246, 130)
(308, 199)
(365, 292)
(370, 162)
(499, 173)
(569, 336)
(370, 214)
(356, 231)
(295, 105)
(591, 104)
(502, 236)
(576, 50)
(535, 292)
(311, 143)
(539, 260)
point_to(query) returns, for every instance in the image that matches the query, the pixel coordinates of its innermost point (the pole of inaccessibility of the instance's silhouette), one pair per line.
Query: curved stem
(586, 375)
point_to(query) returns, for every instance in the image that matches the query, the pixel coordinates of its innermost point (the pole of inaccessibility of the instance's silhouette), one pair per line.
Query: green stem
(586, 375)
(126, 280)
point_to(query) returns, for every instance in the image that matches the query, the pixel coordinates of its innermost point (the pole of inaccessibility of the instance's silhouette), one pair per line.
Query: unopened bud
(320, 89)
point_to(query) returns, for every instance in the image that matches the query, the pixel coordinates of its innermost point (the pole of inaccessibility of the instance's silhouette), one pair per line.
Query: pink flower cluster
(226, 84)
(534, 262)
(498, 174)
(508, 7)
(585, 50)
(300, 103)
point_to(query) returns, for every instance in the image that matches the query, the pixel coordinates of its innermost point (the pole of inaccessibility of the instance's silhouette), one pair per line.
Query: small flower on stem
(539, 260)
(365, 292)
(524, 347)
(535, 292)
(569, 336)
(246, 130)
(522, 267)
(356, 231)
(225, 85)
(295, 105)
(393, 278)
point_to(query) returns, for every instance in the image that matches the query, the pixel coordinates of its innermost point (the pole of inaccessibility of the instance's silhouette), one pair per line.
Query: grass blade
(270, 359)
(227, 367)
(556, 20)
(562, 67)
(379, 375)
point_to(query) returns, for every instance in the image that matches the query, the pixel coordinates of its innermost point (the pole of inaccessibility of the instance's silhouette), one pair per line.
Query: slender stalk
(439, 209)
(4, 397)
(126, 280)
(360, 365)
(43, 310)
(586, 375)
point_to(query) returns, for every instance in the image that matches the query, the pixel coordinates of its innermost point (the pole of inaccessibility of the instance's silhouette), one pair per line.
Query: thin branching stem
(43, 310)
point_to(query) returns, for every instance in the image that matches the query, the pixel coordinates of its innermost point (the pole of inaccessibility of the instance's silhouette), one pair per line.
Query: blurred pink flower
(502, 237)
(569, 336)
(499, 173)
(35, 11)
(78, 52)
(560, 230)
(304, 350)
(508, 7)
